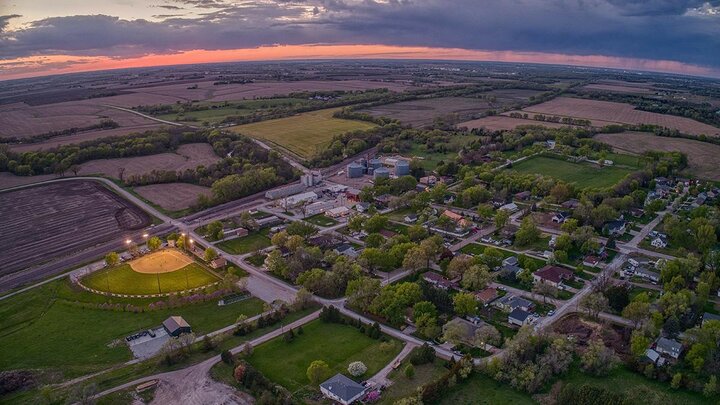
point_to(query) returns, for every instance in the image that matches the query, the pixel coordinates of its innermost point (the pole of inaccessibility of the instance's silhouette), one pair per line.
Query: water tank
(374, 163)
(381, 173)
(355, 170)
(402, 168)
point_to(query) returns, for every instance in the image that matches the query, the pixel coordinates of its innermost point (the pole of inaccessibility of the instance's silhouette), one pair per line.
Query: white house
(659, 242)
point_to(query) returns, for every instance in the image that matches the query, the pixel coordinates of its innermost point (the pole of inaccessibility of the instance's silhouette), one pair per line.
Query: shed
(176, 326)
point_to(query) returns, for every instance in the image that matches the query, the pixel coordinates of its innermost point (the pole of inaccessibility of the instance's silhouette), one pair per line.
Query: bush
(410, 371)
(357, 368)
(227, 357)
(423, 355)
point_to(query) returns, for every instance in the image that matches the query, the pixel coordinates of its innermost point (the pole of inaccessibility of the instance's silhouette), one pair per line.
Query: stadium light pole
(187, 281)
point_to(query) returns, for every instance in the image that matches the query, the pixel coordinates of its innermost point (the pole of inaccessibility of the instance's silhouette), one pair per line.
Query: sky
(41, 37)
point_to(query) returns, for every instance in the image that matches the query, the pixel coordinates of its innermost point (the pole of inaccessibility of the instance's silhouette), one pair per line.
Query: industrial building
(355, 170)
(297, 199)
(402, 168)
(286, 191)
(381, 173)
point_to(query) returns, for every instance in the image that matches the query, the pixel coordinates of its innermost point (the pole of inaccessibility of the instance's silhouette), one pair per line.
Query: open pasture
(173, 196)
(217, 112)
(422, 112)
(503, 123)
(43, 222)
(606, 113)
(303, 134)
(187, 156)
(702, 156)
(161, 272)
(581, 174)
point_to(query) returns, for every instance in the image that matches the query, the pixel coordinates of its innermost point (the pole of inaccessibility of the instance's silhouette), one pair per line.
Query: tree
(458, 265)
(476, 277)
(528, 232)
(598, 359)
(639, 343)
(637, 312)
(706, 237)
(248, 222)
(415, 259)
(112, 259)
(279, 239)
(375, 223)
(424, 308)
(276, 264)
(210, 254)
(357, 368)
(417, 233)
(409, 371)
(215, 230)
(374, 240)
(294, 242)
(594, 303)
(492, 257)
(454, 332)
(355, 223)
(318, 371)
(711, 387)
(362, 292)
(154, 243)
(488, 334)
(676, 381)
(239, 372)
(485, 211)
(303, 298)
(501, 219)
(464, 304)
(545, 290)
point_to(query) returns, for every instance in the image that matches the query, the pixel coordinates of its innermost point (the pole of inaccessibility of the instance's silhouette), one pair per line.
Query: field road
(176, 124)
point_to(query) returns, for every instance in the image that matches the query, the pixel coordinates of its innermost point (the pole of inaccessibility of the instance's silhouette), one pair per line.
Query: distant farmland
(702, 156)
(503, 123)
(582, 174)
(303, 134)
(606, 113)
(419, 113)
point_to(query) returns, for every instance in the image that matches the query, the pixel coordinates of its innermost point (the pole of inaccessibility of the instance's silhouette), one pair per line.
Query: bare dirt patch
(423, 112)
(165, 261)
(702, 156)
(188, 156)
(608, 112)
(201, 391)
(173, 196)
(43, 222)
(254, 90)
(8, 180)
(503, 123)
(583, 331)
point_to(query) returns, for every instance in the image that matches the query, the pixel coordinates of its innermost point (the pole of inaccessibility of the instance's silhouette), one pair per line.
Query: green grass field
(321, 220)
(246, 244)
(123, 279)
(429, 160)
(43, 328)
(233, 109)
(482, 390)
(337, 345)
(582, 174)
(304, 134)
(403, 386)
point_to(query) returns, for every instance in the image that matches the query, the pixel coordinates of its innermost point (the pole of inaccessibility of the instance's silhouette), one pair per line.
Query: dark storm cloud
(652, 29)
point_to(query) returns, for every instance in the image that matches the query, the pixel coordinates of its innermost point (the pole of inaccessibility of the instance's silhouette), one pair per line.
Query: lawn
(246, 244)
(482, 390)
(43, 328)
(429, 160)
(321, 220)
(303, 134)
(123, 279)
(403, 386)
(338, 345)
(584, 175)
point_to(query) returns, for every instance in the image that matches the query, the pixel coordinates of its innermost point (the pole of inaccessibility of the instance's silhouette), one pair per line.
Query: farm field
(246, 244)
(605, 112)
(82, 338)
(503, 123)
(45, 221)
(161, 275)
(614, 88)
(173, 196)
(219, 111)
(337, 345)
(81, 137)
(419, 113)
(582, 174)
(302, 134)
(22, 120)
(187, 156)
(9, 180)
(702, 156)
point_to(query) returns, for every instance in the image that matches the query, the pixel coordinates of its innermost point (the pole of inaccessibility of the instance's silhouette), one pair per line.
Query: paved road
(381, 377)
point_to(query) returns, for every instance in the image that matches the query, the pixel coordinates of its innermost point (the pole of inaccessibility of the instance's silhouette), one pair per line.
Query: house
(550, 144)
(519, 317)
(176, 326)
(511, 302)
(338, 212)
(510, 261)
(671, 347)
(647, 274)
(486, 296)
(571, 204)
(707, 317)
(449, 199)
(468, 329)
(523, 195)
(438, 281)
(457, 218)
(410, 218)
(428, 180)
(268, 221)
(654, 357)
(637, 212)
(615, 228)
(347, 249)
(323, 241)
(510, 270)
(218, 263)
(560, 217)
(342, 389)
(352, 194)
(553, 275)
(659, 242)
(511, 207)
(362, 207)
(387, 233)
(591, 261)
(240, 232)
(384, 200)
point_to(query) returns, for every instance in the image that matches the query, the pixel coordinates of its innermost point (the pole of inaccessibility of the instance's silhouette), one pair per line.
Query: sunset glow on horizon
(62, 64)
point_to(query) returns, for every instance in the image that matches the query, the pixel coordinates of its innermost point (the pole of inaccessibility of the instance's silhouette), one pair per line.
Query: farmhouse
(176, 326)
(553, 275)
(519, 317)
(671, 347)
(342, 389)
